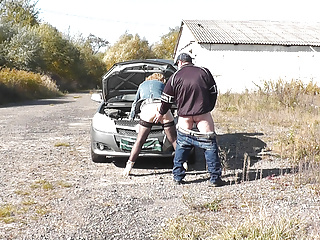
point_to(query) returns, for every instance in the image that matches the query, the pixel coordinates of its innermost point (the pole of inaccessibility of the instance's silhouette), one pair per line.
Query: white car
(112, 133)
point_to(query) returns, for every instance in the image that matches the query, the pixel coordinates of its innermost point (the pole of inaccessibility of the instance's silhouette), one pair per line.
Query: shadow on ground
(146, 162)
(238, 154)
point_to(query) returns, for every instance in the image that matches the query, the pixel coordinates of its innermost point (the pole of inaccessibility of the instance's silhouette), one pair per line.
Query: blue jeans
(184, 146)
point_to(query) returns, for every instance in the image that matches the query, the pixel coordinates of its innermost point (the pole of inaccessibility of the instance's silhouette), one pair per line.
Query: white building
(243, 54)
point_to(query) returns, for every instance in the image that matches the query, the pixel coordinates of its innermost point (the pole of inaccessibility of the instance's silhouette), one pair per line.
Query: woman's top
(151, 89)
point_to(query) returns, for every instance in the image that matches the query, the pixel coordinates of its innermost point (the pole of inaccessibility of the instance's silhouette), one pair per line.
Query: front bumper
(108, 144)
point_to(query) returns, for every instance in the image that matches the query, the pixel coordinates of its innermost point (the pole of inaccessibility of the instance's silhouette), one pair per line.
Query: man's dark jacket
(192, 88)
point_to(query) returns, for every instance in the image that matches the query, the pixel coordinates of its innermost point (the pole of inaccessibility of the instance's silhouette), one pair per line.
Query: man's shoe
(218, 183)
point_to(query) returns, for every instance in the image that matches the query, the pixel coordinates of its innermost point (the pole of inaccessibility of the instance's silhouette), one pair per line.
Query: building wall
(240, 67)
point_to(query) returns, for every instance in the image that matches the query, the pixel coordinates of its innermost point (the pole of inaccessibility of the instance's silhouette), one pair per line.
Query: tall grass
(263, 227)
(293, 108)
(289, 114)
(18, 85)
(193, 227)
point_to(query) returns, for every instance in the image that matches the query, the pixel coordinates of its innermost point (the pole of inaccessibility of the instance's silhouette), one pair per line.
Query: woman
(149, 95)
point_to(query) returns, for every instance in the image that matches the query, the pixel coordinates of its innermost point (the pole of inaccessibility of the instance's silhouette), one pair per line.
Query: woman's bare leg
(141, 139)
(171, 133)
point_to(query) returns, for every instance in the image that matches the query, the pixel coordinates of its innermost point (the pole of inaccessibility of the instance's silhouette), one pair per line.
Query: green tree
(165, 49)
(19, 45)
(92, 67)
(4, 35)
(61, 57)
(19, 12)
(128, 47)
(4, 30)
(23, 50)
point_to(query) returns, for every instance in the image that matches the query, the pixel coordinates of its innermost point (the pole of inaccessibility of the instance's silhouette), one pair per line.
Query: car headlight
(103, 123)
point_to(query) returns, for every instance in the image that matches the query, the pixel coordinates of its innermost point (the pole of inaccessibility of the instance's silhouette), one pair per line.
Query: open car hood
(125, 77)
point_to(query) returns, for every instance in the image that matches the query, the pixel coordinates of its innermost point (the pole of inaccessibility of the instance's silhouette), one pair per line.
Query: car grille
(126, 123)
(127, 128)
(122, 128)
(128, 132)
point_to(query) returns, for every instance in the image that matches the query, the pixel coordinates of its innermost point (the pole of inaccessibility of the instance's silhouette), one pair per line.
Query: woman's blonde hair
(156, 76)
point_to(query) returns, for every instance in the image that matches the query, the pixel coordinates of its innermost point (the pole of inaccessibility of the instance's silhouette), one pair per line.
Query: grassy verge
(195, 227)
(17, 85)
(290, 109)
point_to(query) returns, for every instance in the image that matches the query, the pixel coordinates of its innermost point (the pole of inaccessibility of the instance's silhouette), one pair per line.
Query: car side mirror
(97, 97)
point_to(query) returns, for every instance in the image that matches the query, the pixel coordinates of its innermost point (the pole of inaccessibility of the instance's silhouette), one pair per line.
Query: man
(195, 92)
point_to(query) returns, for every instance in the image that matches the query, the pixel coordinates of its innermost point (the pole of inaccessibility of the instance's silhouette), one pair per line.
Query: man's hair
(156, 76)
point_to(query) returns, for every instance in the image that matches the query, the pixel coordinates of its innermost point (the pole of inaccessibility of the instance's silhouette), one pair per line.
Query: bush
(18, 85)
(23, 51)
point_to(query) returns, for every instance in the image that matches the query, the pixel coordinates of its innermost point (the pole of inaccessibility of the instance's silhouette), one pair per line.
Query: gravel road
(54, 191)
(50, 188)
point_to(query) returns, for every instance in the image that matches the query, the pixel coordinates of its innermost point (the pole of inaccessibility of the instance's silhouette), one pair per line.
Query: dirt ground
(50, 188)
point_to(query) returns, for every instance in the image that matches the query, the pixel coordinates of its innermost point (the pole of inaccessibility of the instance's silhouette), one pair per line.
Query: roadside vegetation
(291, 109)
(288, 113)
(19, 85)
(30, 48)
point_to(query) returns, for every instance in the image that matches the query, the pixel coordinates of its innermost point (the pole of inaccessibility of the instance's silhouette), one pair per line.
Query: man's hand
(158, 118)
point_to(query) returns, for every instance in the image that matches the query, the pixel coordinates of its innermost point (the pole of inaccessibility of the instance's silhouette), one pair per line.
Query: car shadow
(146, 162)
(239, 152)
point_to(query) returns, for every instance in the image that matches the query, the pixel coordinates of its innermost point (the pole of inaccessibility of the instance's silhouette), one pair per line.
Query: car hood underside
(125, 77)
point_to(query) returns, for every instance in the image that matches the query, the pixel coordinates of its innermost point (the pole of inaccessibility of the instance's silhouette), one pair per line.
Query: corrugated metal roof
(255, 32)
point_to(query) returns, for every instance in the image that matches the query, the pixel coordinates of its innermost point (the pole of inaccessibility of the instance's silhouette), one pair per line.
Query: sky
(152, 19)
